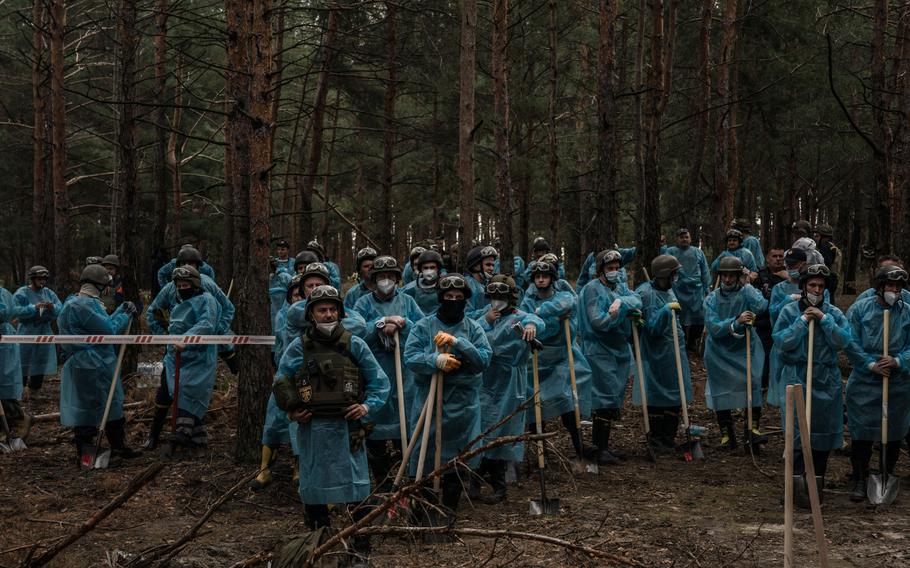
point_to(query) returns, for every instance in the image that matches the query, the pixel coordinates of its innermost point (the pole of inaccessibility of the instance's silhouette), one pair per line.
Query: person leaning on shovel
(810, 333)
(871, 363)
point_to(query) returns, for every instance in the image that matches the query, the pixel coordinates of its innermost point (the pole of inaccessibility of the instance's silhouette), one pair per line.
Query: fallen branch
(255, 560)
(499, 533)
(135, 485)
(163, 555)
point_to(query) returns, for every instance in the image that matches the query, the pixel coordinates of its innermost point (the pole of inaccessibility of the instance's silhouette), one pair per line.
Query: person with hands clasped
(387, 312)
(813, 315)
(730, 311)
(603, 321)
(510, 333)
(328, 381)
(867, 319)
(457, 346)
(40, 306)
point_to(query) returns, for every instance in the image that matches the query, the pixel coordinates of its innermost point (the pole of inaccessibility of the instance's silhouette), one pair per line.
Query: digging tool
(882, 488)
(581, 463)
(544, 506)
(809, 377)
(399, 386)
(788, 480)
(91, 459)
(437, 457)
(7, 447)
(642, 392)
(176, 404)
(431, 400)
(693, 447)
(418, 428)
(810, 480)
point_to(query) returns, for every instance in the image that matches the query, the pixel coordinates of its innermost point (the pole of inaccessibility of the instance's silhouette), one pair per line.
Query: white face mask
(429, 274)
(386, 285)
(814, 299)
(326, 328)
(613, 277)
(499, 305)
(891, 298)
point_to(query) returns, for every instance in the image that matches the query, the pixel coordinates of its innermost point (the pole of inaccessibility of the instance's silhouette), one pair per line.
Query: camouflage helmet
(38, 271)
(187, 273)
(316, 269)
(502, 285)
(605, 257)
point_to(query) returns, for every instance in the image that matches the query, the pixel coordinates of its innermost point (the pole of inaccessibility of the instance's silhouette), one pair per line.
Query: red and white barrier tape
(143, 339)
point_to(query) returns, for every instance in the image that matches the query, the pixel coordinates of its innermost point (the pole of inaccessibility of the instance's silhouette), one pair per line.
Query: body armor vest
(329, 381)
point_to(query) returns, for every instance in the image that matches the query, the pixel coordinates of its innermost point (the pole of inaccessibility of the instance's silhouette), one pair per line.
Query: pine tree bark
(500, 69)
(606, 199)
(881, 134)
(42, 210)
(63, 256)
(702, 119)
(553, 154)
(725, 182)
(466, 62)
(388, 147)
(159, 163)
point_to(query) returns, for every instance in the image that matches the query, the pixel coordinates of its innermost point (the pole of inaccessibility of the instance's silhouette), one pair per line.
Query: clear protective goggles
(453, 282)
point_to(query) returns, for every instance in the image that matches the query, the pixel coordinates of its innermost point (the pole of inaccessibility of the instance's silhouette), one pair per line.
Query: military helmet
(89, 260)
(187, 273)
(305, 258)
(802, 225)
(415, 253)
(605, 257)
(543, 267)
(890, 273)
(540, 245)
(730, 264)
(189, 255)
(316, 248)
(296, 282)
(664, 266)
(325, 293)
(95, 274)
(112, 260)
(825, 230)
(384, 264)
(427, 257)
(502, 285)
(811, 271)
(741, 224)
(317, 269)
(38, 271)
(453, 282)
(366, 253)
(478, 253)
(735, 234)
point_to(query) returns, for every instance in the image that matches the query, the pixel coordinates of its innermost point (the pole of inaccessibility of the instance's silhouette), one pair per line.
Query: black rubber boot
(858, 480)
(659, 441)
(475, 478)
(261, 481)
(727, 433)
(497, 470)
(158, 420)
(116, 435)
(230, 359)
(601, 434)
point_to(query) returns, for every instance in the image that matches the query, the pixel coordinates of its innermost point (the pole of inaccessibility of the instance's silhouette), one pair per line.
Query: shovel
(581, 464)
(643, 393)
(809, 378)
(91, 459)
(881, 488)
(399, 386)
(175, 406)
(11, 444)
(544, 506)
(693, 447)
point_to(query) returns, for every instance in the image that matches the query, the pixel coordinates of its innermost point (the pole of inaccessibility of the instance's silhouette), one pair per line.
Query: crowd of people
(349, 364)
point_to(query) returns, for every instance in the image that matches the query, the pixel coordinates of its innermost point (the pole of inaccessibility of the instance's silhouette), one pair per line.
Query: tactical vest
(329, 381)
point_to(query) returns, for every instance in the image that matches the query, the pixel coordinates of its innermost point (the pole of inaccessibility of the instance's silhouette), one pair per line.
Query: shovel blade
(544, 507)
(882, 492)
(697, 452)
(17, 445)
(584, 466)
(102, 460)
(87, 459)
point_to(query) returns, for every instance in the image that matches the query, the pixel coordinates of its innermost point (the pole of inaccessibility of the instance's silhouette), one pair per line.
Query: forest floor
(720, 511)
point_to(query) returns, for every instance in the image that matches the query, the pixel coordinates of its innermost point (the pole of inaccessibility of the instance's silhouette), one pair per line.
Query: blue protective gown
(553, 361)
(334, 274)
(725, 350)
(905, 295)
(296, 322)
(10, 364)
(427, 298)
(588, 270)
(329, 471)
(478, 302)
(864, 389)
(505, 382)
(278, 293)
(693, 284)
(37, 359)
(657, 352)
(605, 340)
(752, 244)
(88, 369)
(286, 266)
(197, 316)
(165, 272)
(832, 333)
(373, 310)
(355, 293)
(276, 428)
(741, 253)
(168, 298)
(408, 274)
(460, 388)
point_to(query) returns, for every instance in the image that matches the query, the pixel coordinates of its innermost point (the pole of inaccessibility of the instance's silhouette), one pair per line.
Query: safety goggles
(324, 293)
(182, 273)
(41, 274)
(316, 267)
(896, 275)
(498, 288)
(366, 251)
(452, 282)
(384, 262)
(488, 251)
(542, 266)
(818, 270)
(611, 256)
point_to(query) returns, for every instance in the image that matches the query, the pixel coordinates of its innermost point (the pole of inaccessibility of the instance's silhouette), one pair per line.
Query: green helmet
(825, 230)
(730, 264)
(384, 264)
(315, 269)
(664, 266)
(95, 274)
(187, 273)
(38, 272)
(321, 294)
(189, 255)
(111, 259)
(502, 285)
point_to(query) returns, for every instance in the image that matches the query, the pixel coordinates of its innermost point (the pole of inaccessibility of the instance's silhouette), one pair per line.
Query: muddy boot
(269, 454)
(498, 482)
(858, 480)
(116, 434)
(727, 437)
(158, 420)
(230, 359)
(601, 435)
(659, 442)
(801, 492)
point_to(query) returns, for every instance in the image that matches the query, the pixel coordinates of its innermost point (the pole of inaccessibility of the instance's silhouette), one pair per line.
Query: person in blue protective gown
(88, 369)
(456, 348)
(277, 430)
(283, 262)
(510, 332)
(196, 313)
(735, 248)
(387, 311)
(38, 361)
(323, 257)
(883, 261)
(363, 263)
(410, 270)
(604, 305)
(588, 269)
(188, 254)
(730, 311)
(692, 285)
(480, 267)
(423, 287)
(870, 364)
(11, 386)
(554, 307)
(333, 460)
(658, 355)
(831, 335)
(279, 281)
(750, 241)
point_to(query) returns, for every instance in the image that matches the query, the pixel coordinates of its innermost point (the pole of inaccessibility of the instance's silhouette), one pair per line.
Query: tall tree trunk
(500, 69)
(466, 127)
(160, 167)
(638, 126)
(724, 141)
(315, 151)
(702, 120)
(881, 135)
(605, 194)
(553, 159)
(388, 148)
(42, 212)
(324, 232)
(250, 44)
(436, 219)
(173, 158)
(63, 256)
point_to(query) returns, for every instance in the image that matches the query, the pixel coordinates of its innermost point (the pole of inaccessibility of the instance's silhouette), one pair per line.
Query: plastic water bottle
(149, 374)
(697, 431)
